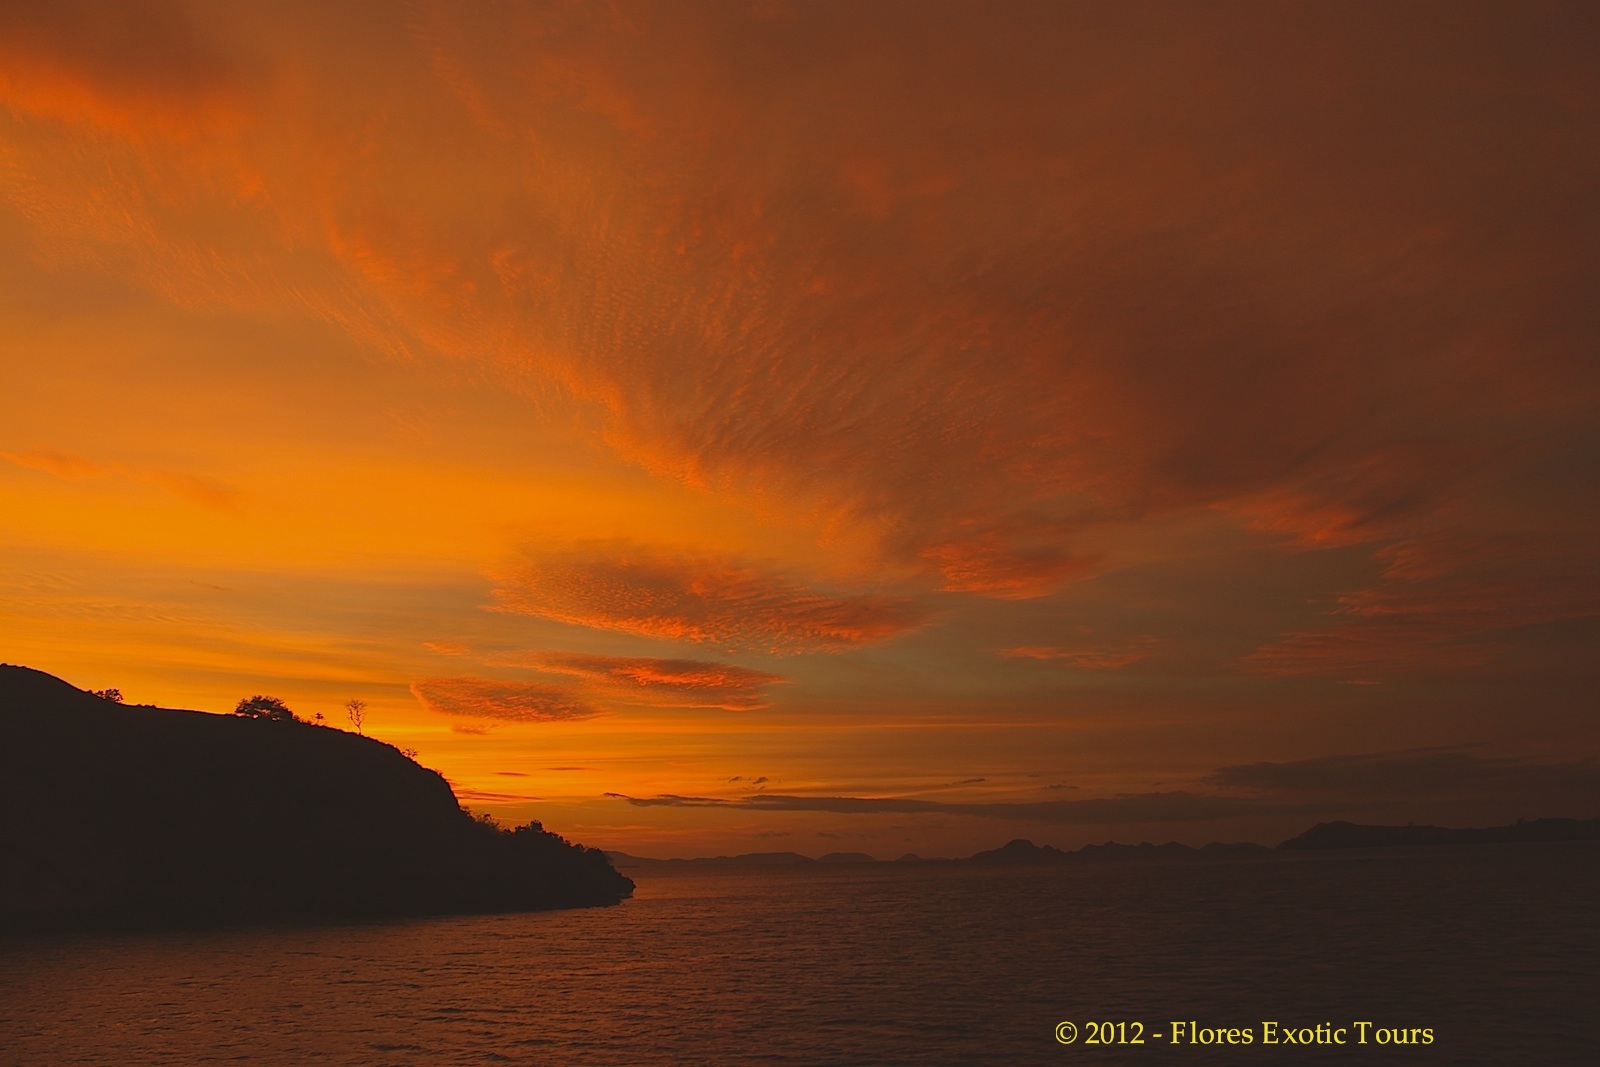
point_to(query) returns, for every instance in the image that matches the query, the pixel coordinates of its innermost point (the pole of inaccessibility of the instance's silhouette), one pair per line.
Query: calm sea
(1495, 949)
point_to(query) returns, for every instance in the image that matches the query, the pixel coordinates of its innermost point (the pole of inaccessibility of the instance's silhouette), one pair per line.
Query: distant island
(114, 816)
(1328, 835)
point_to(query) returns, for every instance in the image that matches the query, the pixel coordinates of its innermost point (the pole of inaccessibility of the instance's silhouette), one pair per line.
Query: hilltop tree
(114, 695)
(358, 712)
(265, 707)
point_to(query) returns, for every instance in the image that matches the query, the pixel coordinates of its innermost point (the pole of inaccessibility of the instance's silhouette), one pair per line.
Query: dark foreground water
(1495, 949)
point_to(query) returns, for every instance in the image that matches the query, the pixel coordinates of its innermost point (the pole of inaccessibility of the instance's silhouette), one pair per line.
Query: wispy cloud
(634, 680)
(1092, 659)
(1442, 603)
(60, 464)
(207, 492)
(480, 698)
(662, 682)
(132, 68)
(705, 599)
(1132, 808)
(484, 796)
(777, 277)
(1328, 787)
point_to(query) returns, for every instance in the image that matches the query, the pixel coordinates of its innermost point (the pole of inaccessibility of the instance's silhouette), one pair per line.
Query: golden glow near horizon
(845, 427)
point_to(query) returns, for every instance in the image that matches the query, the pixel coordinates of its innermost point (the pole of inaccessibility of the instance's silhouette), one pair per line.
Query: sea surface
(1495, 949)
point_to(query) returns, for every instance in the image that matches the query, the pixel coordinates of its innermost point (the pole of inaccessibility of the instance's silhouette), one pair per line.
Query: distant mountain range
(1328, 835)
(113, 815)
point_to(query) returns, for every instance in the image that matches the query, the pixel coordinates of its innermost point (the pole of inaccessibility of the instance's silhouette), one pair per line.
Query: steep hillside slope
(116, 814)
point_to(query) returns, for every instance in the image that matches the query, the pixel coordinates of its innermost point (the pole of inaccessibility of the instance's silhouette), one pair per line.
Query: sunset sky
(885, 427)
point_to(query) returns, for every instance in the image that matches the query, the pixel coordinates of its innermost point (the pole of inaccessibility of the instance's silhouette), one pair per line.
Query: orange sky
(882, 427)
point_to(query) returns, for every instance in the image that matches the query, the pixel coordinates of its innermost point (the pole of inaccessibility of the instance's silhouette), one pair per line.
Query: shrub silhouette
(265, 707)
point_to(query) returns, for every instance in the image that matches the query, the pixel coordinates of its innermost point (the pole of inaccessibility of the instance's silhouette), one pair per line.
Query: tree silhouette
(358, 712)
(114, 695)
(265, 707)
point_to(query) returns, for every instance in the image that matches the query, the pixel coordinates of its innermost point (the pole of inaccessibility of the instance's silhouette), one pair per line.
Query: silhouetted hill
(112, 815)
(1352, 835)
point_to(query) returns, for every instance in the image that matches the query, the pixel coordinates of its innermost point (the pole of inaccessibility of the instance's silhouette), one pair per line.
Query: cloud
(941, 290)
(207, 492)
(1326, 787)
(133, 67)
(60, 464)
(1427, 772)
(1009, 565)
(711, 600)
(504, 701)
(662, 682)
(636, 680)
(1095, 659)
(1366, 652)
(1133, 808)
(488, 797)
(1441, 604)
(999, 293)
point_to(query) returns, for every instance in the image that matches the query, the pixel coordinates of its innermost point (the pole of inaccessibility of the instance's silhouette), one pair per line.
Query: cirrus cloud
(705, 599)
(481, 698)
(982, 285)
(1093, 659)
(663, 682)
(1323, 787)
